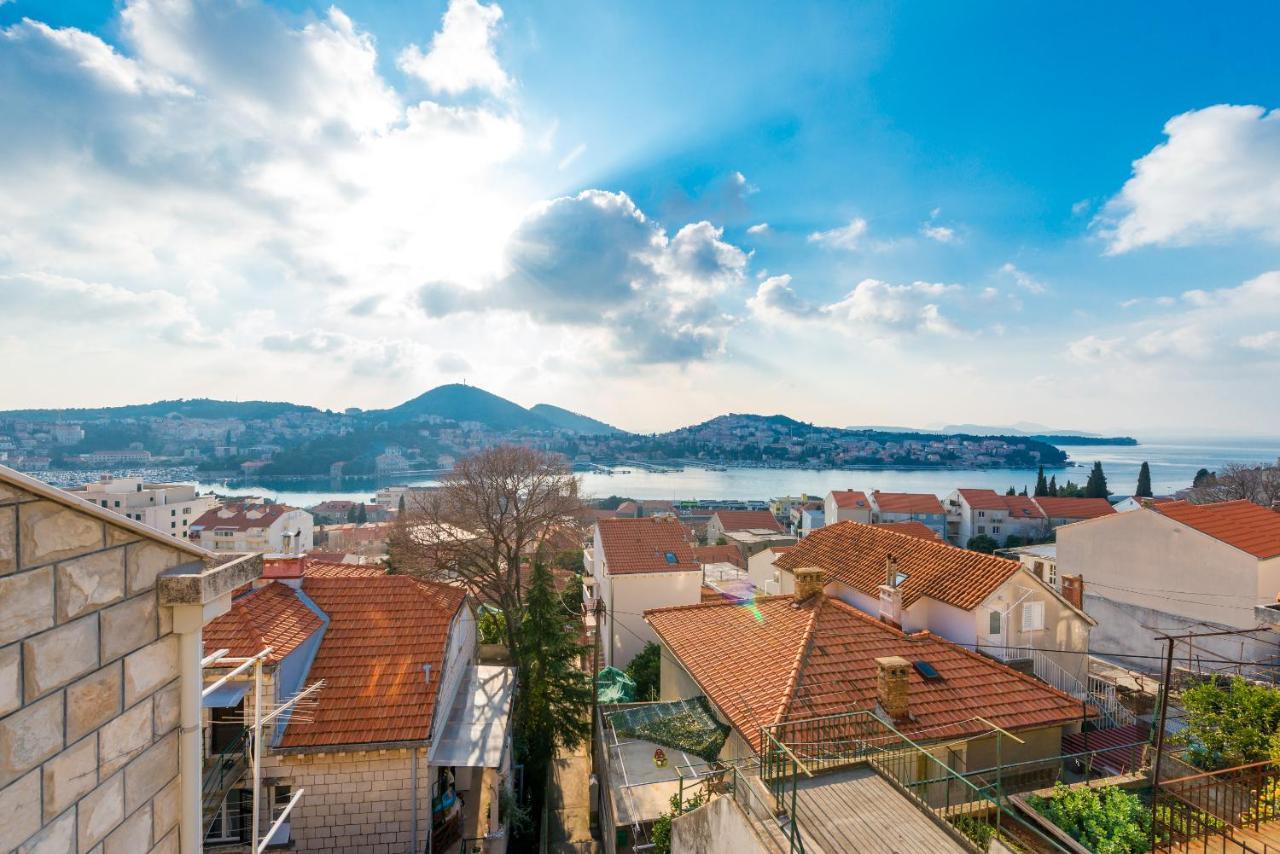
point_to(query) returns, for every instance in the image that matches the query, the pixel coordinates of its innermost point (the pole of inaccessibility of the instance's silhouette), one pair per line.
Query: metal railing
(222, 770)
(1099, 692)
(1205, 807)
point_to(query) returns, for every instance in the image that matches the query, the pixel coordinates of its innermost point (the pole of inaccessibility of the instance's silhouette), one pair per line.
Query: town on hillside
(863, 670)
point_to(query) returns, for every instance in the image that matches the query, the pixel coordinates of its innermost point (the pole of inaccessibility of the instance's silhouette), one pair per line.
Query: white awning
(226, 696)
(475, 732)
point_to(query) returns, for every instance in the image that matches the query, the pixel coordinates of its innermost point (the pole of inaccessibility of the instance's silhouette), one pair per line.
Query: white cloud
(844, 237)
(745, 187)
(1093, 348)
(99, 59)
(871, 305)
(758, 228)
(1217, 175)
(1081, 207)
(940, 233)
(1023, 279)
(378, 356)
(461, 56)
(775, 297)
(1265, 341)
(569, 159)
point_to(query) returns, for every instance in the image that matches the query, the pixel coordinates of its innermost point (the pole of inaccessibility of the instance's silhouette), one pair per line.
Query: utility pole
(1164, 712)
(595, 672)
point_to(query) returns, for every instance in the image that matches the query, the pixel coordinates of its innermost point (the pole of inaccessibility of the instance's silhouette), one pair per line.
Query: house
(168, 507)
(1041, 559)
(1064, 511)
(811, 656)
(806, 518)
(403, 724)
(1174, 567)
(245, 527)
(638, 564)
(762, 572)
(725, 522)
(985, 513)
(979, 601)
(908, 507)
(719, 554)
(1137, 502)
(847, 505)
(101, 618)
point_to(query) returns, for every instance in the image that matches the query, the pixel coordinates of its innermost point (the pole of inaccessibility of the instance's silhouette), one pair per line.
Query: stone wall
(355, 802)
(88, 684)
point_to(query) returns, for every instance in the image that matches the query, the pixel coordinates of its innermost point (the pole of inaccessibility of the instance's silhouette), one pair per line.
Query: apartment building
(170, 508)
(847, 505)
(724, 522)
(984, 512)
(269, 528)
(920, 507)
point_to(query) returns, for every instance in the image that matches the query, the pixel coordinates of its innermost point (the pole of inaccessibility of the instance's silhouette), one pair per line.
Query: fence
(1207, 807)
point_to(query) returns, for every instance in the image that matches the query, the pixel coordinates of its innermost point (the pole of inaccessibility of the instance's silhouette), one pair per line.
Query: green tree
(1204, 477)
(1042, 487)
(1144, 481)
(1013, 541)
(1096, 485)
(351, 514)
(1023, 493)
(362, 515)
(569, 560)
(982, 543)
(1011, 491)
(1231, 726)
(552, 709)
(646, 671)
(1070, 489)
(1053, 486)
(400, 506)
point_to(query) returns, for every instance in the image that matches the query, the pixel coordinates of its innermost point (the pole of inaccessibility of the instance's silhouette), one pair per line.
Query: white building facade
(169, 508)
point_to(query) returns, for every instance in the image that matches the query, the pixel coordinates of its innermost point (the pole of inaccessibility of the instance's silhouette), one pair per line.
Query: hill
(200, 407)
(565, 419)
(458, 402)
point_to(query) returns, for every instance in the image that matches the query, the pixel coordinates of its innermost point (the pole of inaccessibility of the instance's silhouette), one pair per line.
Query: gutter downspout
(413, 765)
(188, 620)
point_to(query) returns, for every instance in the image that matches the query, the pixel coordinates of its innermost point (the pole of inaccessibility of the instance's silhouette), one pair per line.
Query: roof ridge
(802, 658)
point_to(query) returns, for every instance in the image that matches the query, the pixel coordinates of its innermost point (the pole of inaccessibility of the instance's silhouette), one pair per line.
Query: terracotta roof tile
(773, 661)
(747, 520)
(1018, 506)
(719, 554)
(657, 544)
(240, 517)
(337, 569)
(850, 499)
(1074, 508)
(855, 554)
(907, 502)
(270, 616)
(1243, 524)
(381, 632)
(911, 528)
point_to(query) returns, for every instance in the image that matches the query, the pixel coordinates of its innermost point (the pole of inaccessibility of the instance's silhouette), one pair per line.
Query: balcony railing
(222, 771)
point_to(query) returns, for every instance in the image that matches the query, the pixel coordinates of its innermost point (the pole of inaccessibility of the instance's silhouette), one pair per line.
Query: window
(995, 529)
(982, 514)
(1032, 616)
(186, 511)
(173, 524)
(1052, 575)
(173, 512)
(982, 529)
(671, 557)
(993, 623)
(117, 504)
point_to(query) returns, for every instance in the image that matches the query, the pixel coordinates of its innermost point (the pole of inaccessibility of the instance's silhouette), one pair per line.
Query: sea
(1174, 464)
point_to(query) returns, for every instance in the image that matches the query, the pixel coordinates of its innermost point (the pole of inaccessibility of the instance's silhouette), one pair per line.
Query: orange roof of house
(1018, 506)
(855, 554)
(907, 502)
(1247, 526)
(1074, 508)
(236, 517)
(381, 632)
(651, 544)
(719, 554)
(912, 528)
(270, 616)
(747, 520)
(850, 498)
(338, 569)
(779, 661)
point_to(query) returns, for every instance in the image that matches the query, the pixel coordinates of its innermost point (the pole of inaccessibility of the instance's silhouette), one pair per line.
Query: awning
(227, 695)
(475, 732)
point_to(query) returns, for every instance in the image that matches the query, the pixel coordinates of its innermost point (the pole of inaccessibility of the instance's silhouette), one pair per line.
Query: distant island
(252, 439)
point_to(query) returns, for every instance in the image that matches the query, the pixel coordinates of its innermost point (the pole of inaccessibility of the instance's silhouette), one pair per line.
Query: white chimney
(891, 594)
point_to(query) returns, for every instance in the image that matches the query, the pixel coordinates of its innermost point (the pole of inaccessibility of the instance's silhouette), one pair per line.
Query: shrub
(492, 627)
(646, 671)
(1105, 819)
(1230, 727)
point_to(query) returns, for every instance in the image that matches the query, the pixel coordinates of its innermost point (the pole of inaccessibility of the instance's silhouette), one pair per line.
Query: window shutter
(1032, 616)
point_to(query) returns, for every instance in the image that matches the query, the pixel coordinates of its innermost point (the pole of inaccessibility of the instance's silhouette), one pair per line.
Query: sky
(653, 213)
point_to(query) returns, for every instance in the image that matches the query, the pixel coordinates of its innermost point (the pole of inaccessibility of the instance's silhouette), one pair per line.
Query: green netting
(687, 725)
(615, 686)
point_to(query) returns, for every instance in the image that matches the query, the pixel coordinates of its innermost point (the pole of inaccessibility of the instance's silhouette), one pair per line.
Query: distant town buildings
(269, 528)
(170, 508)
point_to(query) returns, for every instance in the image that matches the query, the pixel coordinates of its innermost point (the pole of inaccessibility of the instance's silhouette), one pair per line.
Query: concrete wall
(88, 684)
(356, 802)
(629, 596)
(1144, 559)
(1123, 628)
(714, 828)
(1064, 628)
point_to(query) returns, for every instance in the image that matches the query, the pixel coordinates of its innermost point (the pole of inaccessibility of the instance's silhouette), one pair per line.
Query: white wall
(631, 595)
(458, 657)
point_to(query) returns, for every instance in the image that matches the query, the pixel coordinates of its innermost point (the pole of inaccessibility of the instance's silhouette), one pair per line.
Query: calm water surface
(1173, 465)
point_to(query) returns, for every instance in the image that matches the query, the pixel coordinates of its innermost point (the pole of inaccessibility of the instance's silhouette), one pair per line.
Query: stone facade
(88, 684)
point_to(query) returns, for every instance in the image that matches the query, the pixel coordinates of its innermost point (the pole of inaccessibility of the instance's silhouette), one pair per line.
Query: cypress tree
(1144, 481)
(553, 707)
(1023, 493)
(1042, 488)
(1011, 491)
(400, 507)
(1096, 485)
(362, 515)
(1203, 478)
(351, 514)
(1053, 487)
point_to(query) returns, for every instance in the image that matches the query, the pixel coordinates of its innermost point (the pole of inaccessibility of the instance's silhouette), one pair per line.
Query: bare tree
(495, 510)
(1259, 484)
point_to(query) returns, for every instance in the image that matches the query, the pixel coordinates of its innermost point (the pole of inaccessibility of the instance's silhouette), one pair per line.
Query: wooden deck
(858, 810)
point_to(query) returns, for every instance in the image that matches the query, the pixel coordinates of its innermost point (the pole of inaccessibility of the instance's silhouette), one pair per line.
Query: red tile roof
(912, 528)
(719, 554)
(240, 517)
(776, 661)
(270, 616)
(381, 632)
(337, 569)
(1018, 506)
(1074, 508)
(1243, 524)
(907, 502)
(747, 520)
(855, 554)
(850, 499)
(643, 545)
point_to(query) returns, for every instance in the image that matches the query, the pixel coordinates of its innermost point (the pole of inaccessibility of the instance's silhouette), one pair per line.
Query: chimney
(1073, 590)
(892, 687)
(809, 582)
(891, 594)
(890, 571)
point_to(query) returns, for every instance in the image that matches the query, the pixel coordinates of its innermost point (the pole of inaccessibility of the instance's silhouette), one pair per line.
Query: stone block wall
(355, 802)
(88, 685)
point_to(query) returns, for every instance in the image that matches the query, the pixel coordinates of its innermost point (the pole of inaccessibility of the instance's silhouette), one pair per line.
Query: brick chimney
(809, 582)
(893, 687)
(1073, 590)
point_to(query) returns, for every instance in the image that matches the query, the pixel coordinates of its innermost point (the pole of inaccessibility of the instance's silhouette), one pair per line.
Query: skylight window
(928, 671)
(671, 557)
(899, 578)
